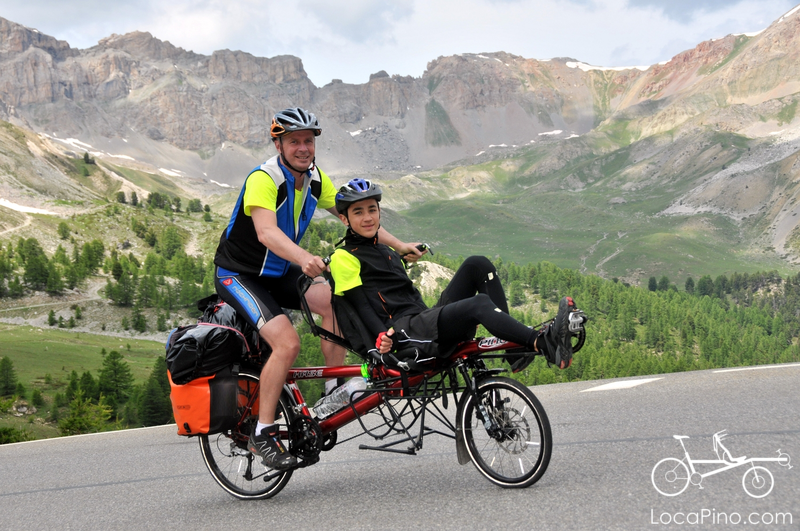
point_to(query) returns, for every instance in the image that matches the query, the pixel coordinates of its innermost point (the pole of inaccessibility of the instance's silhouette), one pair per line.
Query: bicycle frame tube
(728, 464)
(360, 407)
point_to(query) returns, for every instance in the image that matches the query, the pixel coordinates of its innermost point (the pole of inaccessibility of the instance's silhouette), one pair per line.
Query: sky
(351, 39)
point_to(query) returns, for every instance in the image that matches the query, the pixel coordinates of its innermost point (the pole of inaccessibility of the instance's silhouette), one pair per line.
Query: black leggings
(463, 310)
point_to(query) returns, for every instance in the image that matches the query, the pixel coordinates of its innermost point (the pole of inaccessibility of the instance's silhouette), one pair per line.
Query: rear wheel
(507, 433)
(238, 471)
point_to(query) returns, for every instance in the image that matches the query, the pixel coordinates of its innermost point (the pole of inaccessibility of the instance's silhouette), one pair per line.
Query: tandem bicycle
(499, 425)
(672, 476)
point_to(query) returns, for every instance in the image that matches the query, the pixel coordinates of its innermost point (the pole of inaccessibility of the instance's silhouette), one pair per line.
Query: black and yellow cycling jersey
(380, 271)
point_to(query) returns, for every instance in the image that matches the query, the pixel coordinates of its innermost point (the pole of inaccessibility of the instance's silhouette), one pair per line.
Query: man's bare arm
(409, 250)
(273, 238)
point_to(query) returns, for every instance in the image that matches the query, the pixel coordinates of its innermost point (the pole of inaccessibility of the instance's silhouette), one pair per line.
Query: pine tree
(116, 379)
(652, 284)
(63, 230)
(72, 387)
(84, 417)
(663, 283)
(36, 272)
(37, 400)
(170, 243)
(15, 288)
(89, 386)
(71, 276)
(138, 321)
(155, 409)
(705, 286)
(8, 377)
(161, 322)
(55, 283)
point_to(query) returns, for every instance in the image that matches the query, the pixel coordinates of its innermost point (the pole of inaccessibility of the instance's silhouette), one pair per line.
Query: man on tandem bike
(371, 276)
(259, 261)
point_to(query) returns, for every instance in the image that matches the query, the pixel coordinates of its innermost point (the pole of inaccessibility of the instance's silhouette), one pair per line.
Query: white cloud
(350, 39)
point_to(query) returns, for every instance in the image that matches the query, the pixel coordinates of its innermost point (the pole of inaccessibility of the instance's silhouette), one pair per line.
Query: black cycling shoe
(268, 446)
(519, 359)
(555, 341)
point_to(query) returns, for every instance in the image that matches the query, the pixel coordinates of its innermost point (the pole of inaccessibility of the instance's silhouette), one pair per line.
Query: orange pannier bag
(205, 405)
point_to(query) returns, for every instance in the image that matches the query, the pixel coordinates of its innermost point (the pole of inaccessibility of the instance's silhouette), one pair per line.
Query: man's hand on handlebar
(413, 252)
(314, 266)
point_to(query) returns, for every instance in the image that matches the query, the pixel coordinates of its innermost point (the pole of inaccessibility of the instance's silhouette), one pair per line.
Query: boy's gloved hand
(385, 341)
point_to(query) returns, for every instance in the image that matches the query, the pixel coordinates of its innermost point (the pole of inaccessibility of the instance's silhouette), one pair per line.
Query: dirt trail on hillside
(18, 227)
(590, 251)
(92, 293)
(191, 246)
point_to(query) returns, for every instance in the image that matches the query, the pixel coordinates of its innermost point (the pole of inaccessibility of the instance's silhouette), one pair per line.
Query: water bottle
(339, 398)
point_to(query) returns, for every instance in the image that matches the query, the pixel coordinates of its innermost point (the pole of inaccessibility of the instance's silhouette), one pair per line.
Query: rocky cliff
(711, 134)
(138, 87)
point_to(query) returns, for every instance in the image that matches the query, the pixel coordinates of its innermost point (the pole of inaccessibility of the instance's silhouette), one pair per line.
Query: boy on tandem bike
(372, 277)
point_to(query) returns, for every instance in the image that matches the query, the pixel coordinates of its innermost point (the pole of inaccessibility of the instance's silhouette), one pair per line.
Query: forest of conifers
(740, 319)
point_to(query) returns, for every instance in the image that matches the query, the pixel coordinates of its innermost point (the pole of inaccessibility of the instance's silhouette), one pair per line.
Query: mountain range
(685, 167)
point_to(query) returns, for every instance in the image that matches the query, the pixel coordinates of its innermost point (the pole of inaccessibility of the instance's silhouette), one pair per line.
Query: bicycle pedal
(576, 321)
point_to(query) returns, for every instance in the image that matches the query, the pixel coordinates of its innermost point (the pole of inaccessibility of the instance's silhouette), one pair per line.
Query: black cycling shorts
(259, 299)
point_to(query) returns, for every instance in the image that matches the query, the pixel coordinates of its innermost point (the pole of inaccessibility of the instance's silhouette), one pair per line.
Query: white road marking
(758, 368)
(623, 384)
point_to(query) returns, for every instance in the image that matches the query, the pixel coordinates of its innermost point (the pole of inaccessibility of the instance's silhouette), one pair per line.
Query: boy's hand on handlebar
(384, 342)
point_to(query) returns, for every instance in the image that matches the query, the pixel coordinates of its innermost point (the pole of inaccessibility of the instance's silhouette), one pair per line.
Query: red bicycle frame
(380, 372)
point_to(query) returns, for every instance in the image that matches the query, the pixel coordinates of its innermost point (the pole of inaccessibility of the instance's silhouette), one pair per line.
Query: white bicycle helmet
(294, 119)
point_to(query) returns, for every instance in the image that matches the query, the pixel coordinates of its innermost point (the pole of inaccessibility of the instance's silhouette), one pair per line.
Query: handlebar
(424, 247)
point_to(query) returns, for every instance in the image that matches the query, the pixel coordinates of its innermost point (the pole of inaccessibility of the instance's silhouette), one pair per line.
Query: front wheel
(235, 469)
(507, 433)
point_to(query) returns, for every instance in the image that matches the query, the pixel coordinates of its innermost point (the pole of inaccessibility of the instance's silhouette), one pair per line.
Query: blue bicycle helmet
(356, 190)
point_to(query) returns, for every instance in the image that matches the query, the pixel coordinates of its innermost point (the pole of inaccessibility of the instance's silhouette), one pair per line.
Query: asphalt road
(606, 444)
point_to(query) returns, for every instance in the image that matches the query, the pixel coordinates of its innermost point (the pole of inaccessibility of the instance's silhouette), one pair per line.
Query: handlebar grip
(376, 356)
(424, 247)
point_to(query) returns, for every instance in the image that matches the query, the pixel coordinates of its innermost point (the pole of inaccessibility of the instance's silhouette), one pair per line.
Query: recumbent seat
(362, 342)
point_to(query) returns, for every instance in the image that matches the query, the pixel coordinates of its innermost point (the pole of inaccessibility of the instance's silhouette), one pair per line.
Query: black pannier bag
(216, 311)
(219, 339)
(203, 349)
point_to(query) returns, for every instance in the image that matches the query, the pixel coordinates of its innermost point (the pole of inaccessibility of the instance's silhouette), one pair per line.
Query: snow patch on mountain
(587, 67)
(21, 208)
